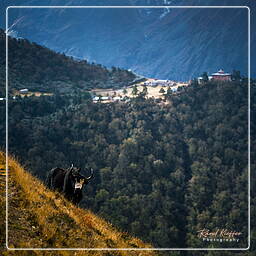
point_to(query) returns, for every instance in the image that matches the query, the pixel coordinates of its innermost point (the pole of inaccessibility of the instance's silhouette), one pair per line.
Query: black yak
(69, 182)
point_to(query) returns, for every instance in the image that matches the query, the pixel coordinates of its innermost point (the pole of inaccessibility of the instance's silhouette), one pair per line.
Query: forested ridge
(163, 171)
(38, 68)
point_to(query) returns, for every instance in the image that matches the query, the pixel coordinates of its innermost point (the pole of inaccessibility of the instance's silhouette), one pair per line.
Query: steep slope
(40, 218)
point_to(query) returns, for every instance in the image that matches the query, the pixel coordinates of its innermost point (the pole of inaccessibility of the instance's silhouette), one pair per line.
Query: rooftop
(221, 73)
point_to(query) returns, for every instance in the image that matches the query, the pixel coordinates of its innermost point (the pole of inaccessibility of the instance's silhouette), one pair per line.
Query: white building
(105, 98)
(160, 82)
(117, 98)
(98, 99)
(24, 91)
(200, 79)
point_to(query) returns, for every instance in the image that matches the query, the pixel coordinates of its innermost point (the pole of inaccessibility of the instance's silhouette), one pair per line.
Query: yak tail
(66, 181)
(48, 180)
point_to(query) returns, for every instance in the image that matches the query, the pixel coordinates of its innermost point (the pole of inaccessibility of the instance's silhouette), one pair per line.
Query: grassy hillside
(39, 217)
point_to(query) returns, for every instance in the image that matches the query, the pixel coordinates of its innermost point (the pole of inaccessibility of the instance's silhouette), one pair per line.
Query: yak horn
(88, 178)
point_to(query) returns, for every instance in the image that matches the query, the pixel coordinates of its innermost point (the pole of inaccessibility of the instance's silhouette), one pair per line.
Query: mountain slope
(166, 43)
(38, 68)
(41, 218)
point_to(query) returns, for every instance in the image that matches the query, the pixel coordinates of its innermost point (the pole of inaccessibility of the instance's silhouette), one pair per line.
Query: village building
(221, 76)
(157, 82)
(96, 99)
(201, 80)
(117, 98)
(218, 76)
(101, 99)
(24, 91)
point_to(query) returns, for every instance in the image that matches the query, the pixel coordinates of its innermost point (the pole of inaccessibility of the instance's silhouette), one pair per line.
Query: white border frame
(249, 134)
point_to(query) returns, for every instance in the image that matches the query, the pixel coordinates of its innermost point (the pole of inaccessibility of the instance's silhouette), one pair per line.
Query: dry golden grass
(40, 218)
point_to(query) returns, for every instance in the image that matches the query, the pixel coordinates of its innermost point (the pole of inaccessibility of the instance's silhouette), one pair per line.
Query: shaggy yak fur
(69, 182)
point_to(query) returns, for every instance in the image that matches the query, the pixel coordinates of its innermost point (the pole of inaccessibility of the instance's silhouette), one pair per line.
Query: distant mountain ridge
(176, 44)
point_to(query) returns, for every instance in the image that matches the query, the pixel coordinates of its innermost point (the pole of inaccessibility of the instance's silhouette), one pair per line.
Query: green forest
(162, 172)
(41, 69)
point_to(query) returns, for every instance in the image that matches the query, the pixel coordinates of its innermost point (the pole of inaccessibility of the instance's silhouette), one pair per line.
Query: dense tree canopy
(163, 171)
